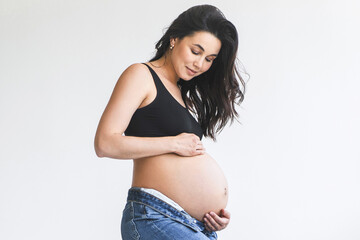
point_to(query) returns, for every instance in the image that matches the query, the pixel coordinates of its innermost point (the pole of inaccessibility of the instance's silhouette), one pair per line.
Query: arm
(129, 92)
(129, 147)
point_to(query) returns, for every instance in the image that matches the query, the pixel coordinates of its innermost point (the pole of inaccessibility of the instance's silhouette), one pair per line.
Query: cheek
(186, 56)
(179, 60)
(206, 66)
(179, 57)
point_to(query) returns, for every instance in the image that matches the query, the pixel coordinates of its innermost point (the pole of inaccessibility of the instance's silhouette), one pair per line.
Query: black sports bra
(164, 116)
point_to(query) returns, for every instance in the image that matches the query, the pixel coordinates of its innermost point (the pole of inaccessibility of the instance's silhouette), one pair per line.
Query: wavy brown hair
(213, 94)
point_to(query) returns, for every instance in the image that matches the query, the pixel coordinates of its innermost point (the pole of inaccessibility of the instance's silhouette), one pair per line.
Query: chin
(187, 78)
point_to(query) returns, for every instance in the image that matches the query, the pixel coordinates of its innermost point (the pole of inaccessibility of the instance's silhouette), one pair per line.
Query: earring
(171, 47)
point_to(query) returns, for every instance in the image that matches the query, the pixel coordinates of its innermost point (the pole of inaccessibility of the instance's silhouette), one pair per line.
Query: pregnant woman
(157, 115)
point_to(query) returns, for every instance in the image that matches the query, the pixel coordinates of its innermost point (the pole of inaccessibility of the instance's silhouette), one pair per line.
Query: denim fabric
(146, 217)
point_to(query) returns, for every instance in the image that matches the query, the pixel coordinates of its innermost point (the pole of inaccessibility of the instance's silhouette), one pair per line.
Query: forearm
(118, 146)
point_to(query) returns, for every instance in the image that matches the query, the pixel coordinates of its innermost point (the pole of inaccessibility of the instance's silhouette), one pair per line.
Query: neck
(166, 67)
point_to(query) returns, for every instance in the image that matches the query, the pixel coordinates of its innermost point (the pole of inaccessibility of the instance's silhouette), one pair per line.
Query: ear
(173, 41)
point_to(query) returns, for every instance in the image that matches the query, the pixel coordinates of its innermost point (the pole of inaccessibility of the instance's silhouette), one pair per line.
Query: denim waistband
(135, 194)
(158, 194)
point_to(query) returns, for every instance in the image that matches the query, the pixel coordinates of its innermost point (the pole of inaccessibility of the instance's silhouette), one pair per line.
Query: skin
(190, 57)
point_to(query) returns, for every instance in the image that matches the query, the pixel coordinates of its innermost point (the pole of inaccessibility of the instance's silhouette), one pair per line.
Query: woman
(178, 190)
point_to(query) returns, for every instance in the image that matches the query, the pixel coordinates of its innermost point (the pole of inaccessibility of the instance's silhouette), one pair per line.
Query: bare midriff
(196, 183)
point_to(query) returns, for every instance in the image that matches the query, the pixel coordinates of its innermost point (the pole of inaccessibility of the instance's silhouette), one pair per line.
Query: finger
(200, 152)
(225, 213)
(209, 226)
(212, 221)
(196, 136)
(220, 221)
(200, 149)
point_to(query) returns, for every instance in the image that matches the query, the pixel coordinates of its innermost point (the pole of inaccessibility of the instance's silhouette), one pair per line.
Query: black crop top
(164, 116)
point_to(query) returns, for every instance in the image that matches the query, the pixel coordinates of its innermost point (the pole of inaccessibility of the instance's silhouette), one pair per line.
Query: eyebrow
(199, 46)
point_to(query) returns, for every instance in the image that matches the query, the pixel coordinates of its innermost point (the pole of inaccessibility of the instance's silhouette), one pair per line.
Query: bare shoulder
(136, 71)
(136, 78)
(129, 92)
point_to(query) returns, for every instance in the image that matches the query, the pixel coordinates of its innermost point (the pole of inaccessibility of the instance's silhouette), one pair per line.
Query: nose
(198, 63)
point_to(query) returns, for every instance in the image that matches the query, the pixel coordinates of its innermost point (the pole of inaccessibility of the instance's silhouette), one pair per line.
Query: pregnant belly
(196, 183)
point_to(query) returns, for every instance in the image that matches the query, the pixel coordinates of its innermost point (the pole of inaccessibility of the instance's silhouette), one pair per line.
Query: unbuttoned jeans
(146, 217)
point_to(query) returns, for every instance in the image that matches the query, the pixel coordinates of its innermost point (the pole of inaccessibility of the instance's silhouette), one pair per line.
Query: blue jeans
(148, 217)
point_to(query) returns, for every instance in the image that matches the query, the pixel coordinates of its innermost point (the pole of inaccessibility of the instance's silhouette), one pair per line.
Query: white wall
(292, 166)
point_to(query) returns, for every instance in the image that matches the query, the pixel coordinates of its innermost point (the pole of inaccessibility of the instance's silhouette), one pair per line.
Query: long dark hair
(213, 94)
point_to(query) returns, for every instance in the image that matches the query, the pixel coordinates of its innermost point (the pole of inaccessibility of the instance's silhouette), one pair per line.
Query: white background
(292, 165)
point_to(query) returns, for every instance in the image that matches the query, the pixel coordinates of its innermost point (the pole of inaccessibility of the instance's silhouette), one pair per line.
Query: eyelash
(196, 53)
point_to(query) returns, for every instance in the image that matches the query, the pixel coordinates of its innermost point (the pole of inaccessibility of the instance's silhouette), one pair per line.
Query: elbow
(99, 146)
(105, 147)
(99, 153)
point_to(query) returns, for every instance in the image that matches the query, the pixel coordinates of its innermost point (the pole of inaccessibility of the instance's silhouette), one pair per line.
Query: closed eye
(207, 59)
(196, 53)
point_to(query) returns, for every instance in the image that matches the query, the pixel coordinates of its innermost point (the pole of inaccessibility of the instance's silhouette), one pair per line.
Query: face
(194, 55)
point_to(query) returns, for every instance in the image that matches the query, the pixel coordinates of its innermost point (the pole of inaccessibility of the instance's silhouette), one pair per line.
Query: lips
(191, 72)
